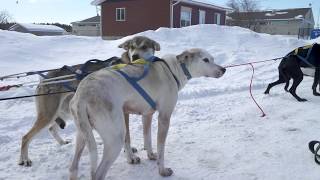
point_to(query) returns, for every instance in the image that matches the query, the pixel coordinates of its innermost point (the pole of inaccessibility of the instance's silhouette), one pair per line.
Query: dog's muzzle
(135, 57)
(221, 72)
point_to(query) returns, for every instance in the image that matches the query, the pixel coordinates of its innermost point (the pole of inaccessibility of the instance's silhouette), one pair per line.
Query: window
(121, 14)
(280, 22)
(217, 18)
(202, 17)
(185, 17)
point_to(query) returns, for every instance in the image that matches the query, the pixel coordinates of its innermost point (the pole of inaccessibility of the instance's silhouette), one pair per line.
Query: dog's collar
(174, 76)
(185, 70)
(150, 58)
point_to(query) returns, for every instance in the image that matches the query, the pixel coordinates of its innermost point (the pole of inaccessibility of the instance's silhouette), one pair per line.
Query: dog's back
(55, 102)
(307, 56)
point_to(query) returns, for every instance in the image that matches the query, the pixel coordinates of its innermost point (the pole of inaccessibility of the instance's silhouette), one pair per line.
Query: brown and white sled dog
(54, 109)
(105, 96)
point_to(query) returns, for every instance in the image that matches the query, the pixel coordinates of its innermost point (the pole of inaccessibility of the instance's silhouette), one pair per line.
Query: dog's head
(139, 47)
(200, 63)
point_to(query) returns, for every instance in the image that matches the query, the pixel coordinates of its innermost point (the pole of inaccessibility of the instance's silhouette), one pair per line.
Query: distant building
(297, 21)
(87, 27)
(38, 30)
(126, 17)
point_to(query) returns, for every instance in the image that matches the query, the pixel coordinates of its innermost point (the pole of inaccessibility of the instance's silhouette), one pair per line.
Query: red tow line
(6, 88)
(252, 76)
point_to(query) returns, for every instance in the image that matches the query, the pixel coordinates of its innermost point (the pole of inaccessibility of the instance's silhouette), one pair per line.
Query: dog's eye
(206, 60)
(144, 47)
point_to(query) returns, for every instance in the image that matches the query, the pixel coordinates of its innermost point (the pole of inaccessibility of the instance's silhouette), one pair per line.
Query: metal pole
(318, 19)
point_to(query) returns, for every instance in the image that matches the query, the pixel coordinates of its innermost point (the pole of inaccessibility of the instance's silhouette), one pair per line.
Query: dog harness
(133, 81)
(80, 72)
(304, 54)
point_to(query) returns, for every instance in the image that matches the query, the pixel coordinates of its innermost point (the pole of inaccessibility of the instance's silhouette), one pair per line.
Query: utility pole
(318, 25)
(172, 4)
(100, 25)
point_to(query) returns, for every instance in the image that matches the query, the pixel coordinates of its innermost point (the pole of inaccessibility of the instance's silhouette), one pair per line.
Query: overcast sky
(67, 11)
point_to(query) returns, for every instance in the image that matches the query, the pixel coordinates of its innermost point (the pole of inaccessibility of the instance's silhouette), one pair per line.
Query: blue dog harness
(134, 80)
(304, 54)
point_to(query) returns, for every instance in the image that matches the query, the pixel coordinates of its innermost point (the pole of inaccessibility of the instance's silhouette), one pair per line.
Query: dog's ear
(156, 45)
(125, 45)
(185, 56)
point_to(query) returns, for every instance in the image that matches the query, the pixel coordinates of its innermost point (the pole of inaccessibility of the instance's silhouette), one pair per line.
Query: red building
(125, 17)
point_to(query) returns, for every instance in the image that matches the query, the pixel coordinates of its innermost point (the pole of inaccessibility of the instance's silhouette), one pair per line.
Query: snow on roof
(38, 27)
(270, 14)
(280, 14)
(205, 3)
(97, 2)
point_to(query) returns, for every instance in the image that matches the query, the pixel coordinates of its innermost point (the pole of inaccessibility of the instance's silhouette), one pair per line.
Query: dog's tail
(86, 129)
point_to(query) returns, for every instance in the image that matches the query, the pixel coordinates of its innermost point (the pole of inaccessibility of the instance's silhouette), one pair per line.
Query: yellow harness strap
(304, 47)
(308, 46)
(120, 66)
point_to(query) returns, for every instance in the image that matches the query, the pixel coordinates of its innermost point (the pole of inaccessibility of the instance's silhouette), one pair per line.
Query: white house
(87, 27)
(298, 21)
(38, 30)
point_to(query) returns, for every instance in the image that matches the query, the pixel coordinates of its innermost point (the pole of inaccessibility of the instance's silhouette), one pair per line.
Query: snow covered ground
(216, 130)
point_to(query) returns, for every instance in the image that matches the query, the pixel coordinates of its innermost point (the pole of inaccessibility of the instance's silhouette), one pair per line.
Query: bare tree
(243, 14)
(244, 5)
(234, 4)
(5, 17)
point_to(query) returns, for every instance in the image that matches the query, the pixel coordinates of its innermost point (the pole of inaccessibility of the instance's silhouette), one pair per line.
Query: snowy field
(216, 131)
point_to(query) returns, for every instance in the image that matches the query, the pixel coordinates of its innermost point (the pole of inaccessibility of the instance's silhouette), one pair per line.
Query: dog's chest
(131, 107)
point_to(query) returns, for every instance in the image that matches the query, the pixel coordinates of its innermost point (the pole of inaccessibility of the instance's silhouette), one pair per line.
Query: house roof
(97, 2)
(204, 3)
(95, 19)
(38, 27)
(298, 13)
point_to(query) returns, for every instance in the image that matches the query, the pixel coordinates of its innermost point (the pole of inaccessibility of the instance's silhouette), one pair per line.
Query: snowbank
(216, 131)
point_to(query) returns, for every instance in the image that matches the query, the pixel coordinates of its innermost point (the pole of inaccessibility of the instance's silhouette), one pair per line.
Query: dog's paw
(26, 163)
(134, 160)
(166, 172)
(152, 156)
(133, 149)
(316, 93)
(65, 142)
(266, 92)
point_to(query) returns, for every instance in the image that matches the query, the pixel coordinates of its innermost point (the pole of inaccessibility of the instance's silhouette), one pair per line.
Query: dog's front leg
(131, 158)
(147, 121)
(316, 82)
(163, 127)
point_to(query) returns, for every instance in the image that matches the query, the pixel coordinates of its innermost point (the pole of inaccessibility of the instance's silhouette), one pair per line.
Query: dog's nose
(223, 70)
(135, 57)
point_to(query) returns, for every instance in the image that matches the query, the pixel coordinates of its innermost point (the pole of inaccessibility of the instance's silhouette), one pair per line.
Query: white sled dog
(54, 110)
(105, 96)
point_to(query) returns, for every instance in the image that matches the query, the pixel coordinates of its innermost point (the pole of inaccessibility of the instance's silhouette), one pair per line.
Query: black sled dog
(290, 68)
